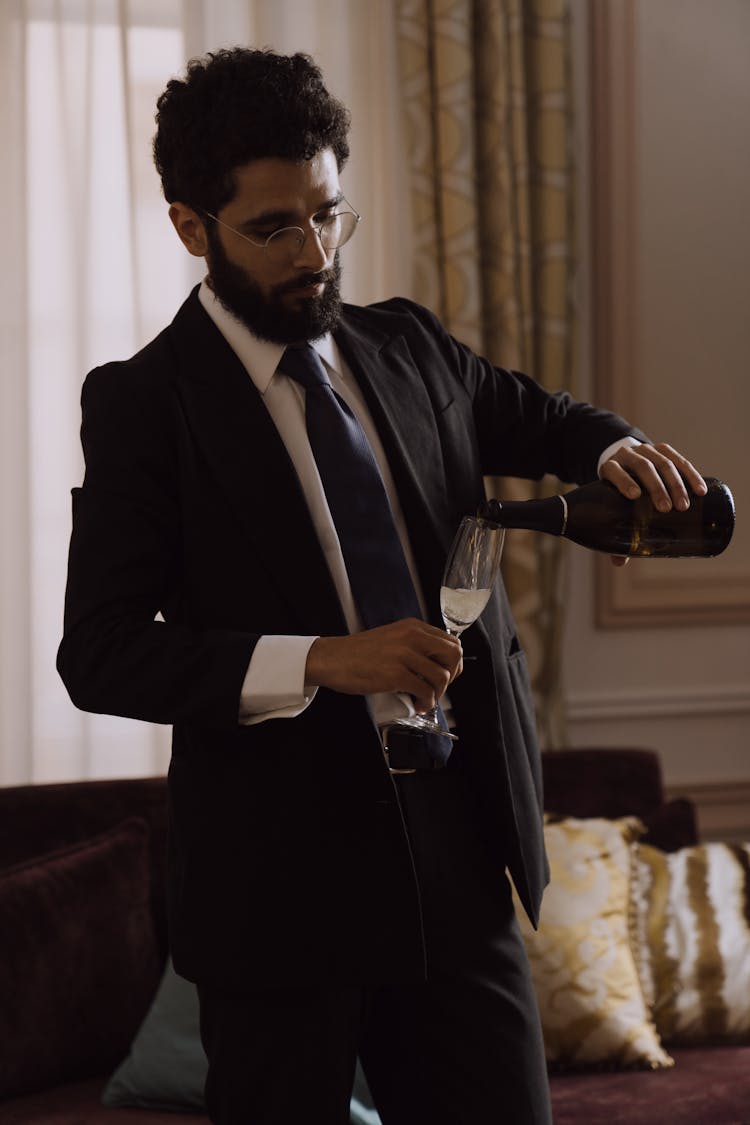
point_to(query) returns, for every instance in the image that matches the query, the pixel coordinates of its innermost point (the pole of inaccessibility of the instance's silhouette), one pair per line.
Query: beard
(267, 315)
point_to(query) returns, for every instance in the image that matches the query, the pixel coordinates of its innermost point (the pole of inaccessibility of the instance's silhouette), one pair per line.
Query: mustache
(322, 278)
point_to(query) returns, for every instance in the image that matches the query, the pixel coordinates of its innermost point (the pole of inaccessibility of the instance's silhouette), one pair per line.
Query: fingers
(446, 652)
(659, 470)
(432, 675)
(407, 656)
(432, 658)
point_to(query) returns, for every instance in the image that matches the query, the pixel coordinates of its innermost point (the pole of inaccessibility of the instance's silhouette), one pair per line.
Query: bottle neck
(549, 515)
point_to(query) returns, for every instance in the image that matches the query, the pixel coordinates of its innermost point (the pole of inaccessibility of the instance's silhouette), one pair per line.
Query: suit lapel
(405, 419)
(242, 448)
(237, 438)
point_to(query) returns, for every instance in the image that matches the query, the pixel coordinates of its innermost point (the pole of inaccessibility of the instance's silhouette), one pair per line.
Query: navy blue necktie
(374, 558)
(378, 574)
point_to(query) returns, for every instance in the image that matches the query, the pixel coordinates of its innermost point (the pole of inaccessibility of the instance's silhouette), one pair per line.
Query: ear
(190, 228)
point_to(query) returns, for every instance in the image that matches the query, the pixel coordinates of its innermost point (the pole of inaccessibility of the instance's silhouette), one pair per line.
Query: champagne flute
(468, 580)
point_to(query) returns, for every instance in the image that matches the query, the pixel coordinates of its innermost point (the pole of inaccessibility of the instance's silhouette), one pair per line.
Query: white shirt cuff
(274, 685)
(612, 449)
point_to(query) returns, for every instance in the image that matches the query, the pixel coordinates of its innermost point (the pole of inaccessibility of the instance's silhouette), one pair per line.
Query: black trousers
(463, 1047)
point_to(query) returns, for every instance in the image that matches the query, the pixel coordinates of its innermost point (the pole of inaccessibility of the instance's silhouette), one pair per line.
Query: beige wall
(684, 690)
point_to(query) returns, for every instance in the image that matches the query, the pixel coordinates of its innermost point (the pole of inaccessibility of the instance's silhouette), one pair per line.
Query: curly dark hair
(239, 105)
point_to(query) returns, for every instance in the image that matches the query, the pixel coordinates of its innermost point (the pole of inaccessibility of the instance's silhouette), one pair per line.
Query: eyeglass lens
(334, 232)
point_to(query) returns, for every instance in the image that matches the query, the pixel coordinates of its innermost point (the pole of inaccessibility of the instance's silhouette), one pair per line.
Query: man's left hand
(660, 471)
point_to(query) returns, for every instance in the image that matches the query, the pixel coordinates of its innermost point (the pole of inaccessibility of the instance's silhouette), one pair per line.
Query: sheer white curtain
(95, 270)
(92, 275)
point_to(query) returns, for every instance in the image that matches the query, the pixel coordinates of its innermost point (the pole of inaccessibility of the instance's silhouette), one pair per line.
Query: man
(331, 898)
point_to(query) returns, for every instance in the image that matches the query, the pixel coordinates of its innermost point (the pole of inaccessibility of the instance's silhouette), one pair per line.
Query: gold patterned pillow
(692, 914)
(587, 987)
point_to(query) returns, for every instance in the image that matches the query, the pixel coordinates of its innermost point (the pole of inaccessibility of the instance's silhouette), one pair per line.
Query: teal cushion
(166, 1067)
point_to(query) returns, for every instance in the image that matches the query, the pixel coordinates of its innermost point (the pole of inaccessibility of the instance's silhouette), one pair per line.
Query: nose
(312, 254)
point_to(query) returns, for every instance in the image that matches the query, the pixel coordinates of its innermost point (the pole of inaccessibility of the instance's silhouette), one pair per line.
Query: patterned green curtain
(487, 95)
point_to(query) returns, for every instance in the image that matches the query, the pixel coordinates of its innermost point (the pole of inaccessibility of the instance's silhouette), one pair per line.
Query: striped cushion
(691, 911)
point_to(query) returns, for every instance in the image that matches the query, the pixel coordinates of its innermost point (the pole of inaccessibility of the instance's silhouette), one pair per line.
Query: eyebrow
(288, 218)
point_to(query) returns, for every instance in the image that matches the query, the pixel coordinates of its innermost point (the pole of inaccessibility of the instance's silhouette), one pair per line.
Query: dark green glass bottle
(599, 517)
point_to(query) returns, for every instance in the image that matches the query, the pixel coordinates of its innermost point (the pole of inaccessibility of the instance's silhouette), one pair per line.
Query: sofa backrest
(615, 782)
(36, 819)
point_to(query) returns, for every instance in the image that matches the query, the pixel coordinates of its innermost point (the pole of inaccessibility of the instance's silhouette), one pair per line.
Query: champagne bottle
(599, 517)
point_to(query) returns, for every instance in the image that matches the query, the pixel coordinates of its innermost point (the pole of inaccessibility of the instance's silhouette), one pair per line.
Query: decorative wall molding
(656, 592)
(661, 703)
(660, 592)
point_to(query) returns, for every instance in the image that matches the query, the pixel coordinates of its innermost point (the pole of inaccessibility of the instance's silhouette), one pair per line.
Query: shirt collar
(259, 357)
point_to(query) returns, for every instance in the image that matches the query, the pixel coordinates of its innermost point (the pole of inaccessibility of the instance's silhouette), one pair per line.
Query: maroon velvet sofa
(83, 952)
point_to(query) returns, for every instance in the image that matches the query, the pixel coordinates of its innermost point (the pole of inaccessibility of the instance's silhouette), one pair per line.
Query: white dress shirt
(274, 685)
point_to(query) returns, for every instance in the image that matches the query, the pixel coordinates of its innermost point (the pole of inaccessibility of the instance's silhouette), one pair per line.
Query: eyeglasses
(284, 245)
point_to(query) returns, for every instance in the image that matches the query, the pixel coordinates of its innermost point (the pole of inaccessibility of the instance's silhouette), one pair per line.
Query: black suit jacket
(289, 858)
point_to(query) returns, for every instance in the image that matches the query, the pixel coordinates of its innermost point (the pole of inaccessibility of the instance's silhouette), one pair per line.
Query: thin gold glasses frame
(317, 227)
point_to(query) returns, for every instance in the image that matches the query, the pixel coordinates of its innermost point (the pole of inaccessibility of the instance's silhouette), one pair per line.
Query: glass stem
(432, 714)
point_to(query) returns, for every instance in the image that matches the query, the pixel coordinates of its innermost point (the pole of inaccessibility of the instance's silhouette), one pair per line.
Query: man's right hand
(408, 656)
